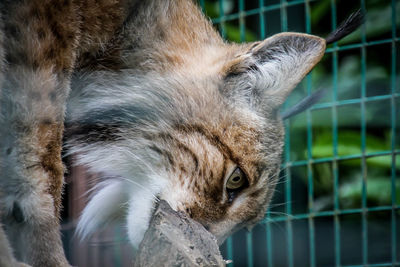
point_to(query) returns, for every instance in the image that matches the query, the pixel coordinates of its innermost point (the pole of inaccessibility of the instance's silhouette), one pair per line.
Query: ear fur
(266, 73)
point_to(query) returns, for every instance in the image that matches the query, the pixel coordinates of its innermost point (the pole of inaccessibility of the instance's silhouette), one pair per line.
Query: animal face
(209, 144)
(221, 176)
(227, 161)
(193, 120)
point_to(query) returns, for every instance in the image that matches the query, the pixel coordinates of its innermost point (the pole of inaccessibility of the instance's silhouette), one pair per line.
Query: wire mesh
(275, 242)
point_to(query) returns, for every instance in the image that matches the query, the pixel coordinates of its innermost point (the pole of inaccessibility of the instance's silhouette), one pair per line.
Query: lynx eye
(236, 182)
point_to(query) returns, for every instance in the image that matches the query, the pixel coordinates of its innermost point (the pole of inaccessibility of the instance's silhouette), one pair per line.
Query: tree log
(173, 239)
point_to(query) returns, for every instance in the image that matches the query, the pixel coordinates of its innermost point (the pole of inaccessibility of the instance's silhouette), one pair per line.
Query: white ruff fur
(103, 207)
(120, 200)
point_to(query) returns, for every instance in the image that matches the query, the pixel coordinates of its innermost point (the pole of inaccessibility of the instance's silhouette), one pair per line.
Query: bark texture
(173, 239)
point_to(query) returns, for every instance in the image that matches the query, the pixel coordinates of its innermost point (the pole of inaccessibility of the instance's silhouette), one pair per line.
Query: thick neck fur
(157, 37)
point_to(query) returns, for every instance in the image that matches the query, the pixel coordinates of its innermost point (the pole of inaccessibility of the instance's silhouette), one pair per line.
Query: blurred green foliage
(231, 28)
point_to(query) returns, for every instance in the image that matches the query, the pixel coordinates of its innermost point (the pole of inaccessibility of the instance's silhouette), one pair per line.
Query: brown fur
(45, 42)
(50, 136)
(47, 37)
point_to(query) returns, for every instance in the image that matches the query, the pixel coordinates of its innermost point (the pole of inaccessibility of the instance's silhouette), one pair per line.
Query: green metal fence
(338, 203)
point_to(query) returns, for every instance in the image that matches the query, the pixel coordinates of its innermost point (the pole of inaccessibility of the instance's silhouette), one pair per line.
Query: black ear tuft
(348, 26)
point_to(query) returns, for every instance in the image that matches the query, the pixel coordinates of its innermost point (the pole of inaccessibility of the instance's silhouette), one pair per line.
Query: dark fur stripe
(164, 153)
(106, 124)
(92, 133)
(212, 138)
(191, 153)
(120, 115)
(169, 139)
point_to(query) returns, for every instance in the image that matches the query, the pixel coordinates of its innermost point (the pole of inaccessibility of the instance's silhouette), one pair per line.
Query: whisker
(274, 205)
(277, 224)
(281, 214)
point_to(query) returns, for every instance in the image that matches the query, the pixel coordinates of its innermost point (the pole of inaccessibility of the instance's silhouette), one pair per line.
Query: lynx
(153, 101)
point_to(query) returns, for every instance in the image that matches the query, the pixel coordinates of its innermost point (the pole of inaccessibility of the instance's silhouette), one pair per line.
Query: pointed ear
(265, 73)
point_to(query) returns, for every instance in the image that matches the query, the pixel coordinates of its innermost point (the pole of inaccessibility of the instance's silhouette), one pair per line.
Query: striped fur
(157, 105)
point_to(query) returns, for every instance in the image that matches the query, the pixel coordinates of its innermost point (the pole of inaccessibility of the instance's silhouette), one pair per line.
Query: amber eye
(236, 182)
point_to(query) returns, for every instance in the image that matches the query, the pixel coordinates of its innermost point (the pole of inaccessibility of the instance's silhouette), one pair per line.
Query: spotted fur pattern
(160, 107)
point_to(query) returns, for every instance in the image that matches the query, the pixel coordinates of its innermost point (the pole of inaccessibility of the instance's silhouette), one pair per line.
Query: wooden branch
(173, 239)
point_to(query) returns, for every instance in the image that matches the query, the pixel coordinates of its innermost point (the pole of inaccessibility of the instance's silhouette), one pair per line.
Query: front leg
(6, 255)
(40, 39)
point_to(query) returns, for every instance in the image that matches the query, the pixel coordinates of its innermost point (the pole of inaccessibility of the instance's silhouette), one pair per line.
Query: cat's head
(224, 157)
(208, 143)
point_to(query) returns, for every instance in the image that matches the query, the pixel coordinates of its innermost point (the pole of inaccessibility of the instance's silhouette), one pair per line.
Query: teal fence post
(393, 134)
